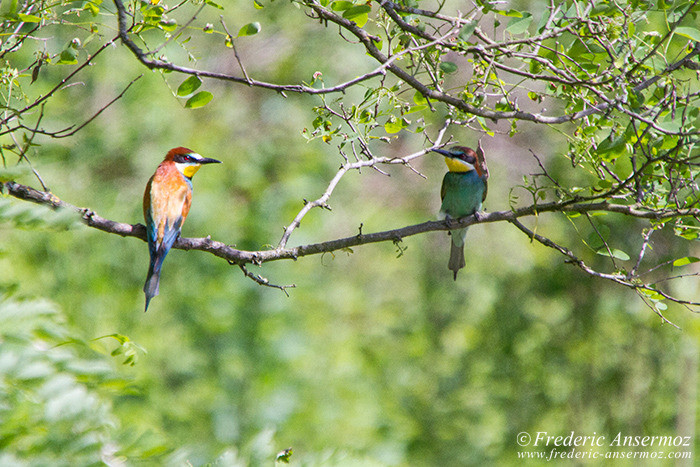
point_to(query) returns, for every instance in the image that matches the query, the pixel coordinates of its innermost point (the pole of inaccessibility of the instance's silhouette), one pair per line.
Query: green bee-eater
(463, 190)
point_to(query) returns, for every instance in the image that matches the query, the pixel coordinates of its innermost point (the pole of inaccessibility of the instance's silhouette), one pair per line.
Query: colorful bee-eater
(166, 204)
(463, 190)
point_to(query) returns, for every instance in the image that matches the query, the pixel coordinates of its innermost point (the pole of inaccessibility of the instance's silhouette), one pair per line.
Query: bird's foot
(479, 216)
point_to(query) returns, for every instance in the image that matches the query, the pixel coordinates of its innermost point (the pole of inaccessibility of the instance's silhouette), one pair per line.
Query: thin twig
(264, 281)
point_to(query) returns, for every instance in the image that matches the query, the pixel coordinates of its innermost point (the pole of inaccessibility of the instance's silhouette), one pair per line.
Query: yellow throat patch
(455, 165)
(190, 170)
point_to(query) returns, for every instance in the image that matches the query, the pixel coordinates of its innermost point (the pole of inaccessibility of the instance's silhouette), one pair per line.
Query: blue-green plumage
(463, 190)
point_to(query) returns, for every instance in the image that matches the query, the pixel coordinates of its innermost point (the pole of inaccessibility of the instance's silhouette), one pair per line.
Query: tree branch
(222, 250)
(143, 57)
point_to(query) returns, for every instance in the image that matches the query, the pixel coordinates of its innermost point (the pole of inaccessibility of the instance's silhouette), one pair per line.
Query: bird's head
(187, 161)
(463, 159)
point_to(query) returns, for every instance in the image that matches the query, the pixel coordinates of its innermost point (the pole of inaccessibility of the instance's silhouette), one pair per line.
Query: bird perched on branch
(463, 190)
(166, 204)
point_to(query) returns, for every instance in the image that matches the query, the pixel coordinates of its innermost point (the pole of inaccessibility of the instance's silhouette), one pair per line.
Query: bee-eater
(166, 204)
(463, 190)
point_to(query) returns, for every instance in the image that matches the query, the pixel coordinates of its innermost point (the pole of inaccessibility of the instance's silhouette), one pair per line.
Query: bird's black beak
(206, 160)
(444, 152)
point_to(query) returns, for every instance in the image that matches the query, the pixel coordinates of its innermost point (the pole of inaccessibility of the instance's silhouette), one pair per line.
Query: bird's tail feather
(456, 259)
(151, 287)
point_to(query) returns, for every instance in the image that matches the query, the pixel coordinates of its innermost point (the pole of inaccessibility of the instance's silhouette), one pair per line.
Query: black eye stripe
(184, 158)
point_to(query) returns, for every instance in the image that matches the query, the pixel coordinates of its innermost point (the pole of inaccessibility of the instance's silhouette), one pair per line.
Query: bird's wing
(443, 188)
(148, 216)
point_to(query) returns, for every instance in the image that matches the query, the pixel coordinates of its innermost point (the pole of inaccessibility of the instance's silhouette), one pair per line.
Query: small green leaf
(29, 18)
(416, 108)
(691, 33)
(341, 5)
(511, 13)
(189, 86)
(359, 14)
(653, 294)
(168, 25)
(215, 5)
(615, 253)
(249, 29)
(258, 5)
(686, 261)
(519, 25)
(448, 67)
(394, 125)
(68, 57)
(419, 99)
(92, 8)
(200, 99)
(484, 126)
(467, 30)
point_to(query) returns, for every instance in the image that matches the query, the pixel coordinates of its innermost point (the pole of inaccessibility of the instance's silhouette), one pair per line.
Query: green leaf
(467, 30)
(394, 125)
(92, 8)
(686, 261)
(485, 127)
(534, 96)
(448, 67)
(419, 99)
(200, 99)
(168, 25)
(29, 18)
(359, 14)
(189, 86)
(249, 29)
(511, 13)
(68, 57)
(258, 5)
(519, 25)
(416, 108)
(615, 253)
(611, 147)
(214, 4)
(341, 5)
(690, 33)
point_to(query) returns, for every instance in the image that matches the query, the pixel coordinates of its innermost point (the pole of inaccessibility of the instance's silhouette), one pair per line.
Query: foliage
(589, 115)
(53, 402)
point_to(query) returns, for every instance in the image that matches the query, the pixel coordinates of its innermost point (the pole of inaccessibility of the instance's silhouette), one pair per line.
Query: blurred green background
(375, 357)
